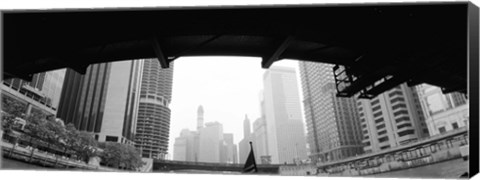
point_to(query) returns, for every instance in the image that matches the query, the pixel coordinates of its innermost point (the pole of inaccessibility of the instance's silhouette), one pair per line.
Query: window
(385, 147)
(399, 106)
(382, 132)
(111, 139)
(377, 114)
(402, 119)
(376, 108)
(455, 125)
(375, 102)
(396, 92)
(397, 99)
(381, 126)
(400, 112)
(383, 139)
(404, 125)
(442, 130)
(379, 120)
(407, 132)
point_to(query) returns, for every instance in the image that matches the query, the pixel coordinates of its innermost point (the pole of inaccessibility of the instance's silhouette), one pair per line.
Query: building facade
(333, 126)
(443, 112)
(153, 122)
(284, 123)
(104, 101)
(393, 118)
(41, 94)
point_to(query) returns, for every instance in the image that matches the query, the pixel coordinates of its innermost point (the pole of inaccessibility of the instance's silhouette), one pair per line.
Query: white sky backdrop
(227, 87)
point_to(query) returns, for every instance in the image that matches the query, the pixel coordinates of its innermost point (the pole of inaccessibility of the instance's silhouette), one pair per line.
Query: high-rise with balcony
(283, 116)
(153, 122)
(333, 127)
(393, 118)
(42, 93)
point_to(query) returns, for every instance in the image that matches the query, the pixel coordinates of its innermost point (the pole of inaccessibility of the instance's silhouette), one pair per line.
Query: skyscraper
(153, 123)
(391, 119)
(260, 139)
(283, 116)
(199, 117)
(243, 145)
(103, 101)
(183, 149)
(229, 154)
(443, 112)
(211, 142)
(332, 123)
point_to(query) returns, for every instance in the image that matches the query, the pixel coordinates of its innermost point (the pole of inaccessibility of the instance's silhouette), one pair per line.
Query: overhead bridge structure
(375, 46)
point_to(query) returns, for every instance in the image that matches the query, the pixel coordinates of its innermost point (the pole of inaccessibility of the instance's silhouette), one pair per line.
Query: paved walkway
(448, 169)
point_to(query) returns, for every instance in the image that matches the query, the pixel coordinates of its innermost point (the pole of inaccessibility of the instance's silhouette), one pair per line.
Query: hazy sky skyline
(226, 87)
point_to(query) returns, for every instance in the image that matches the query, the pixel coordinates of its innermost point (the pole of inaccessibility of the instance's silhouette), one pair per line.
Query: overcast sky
(227, 87)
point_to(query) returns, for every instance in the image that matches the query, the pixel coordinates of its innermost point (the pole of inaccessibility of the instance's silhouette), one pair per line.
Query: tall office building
(229, 151)
(283, 116)
(244, 144)
(333, 125)
(261, 140)
(211, 141)
(104, 100)
(443, 112)
(41, 94)
(183, 149)
(200, 117)
(153, 122)
(393, 118)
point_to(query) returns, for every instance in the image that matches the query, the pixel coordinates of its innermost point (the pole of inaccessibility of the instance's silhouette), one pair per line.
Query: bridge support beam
(267, 61)
(159, 53)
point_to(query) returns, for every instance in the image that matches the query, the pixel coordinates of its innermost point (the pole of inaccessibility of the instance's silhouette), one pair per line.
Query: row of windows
(396, 92)
(401, 119)
(377, 114)
(379, 120)
(400, 113)
(397, 99)
(399, 106)
(373, 103)
(382, 132)
(383, 139)
(407, 132)
(380, 126)
(404, 125)
(376, 108)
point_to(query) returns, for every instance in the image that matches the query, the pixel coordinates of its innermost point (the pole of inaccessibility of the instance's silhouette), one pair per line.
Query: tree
(12, 107)
(121, 155)
(70, 137)
(85, 146)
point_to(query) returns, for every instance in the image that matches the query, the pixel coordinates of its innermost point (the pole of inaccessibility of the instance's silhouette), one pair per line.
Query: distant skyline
(226, 87)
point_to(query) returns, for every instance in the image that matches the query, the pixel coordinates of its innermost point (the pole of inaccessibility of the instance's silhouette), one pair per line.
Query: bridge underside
(377, 47)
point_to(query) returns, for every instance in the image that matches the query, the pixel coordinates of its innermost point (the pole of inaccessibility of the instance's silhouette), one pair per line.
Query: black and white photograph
(321, 90)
